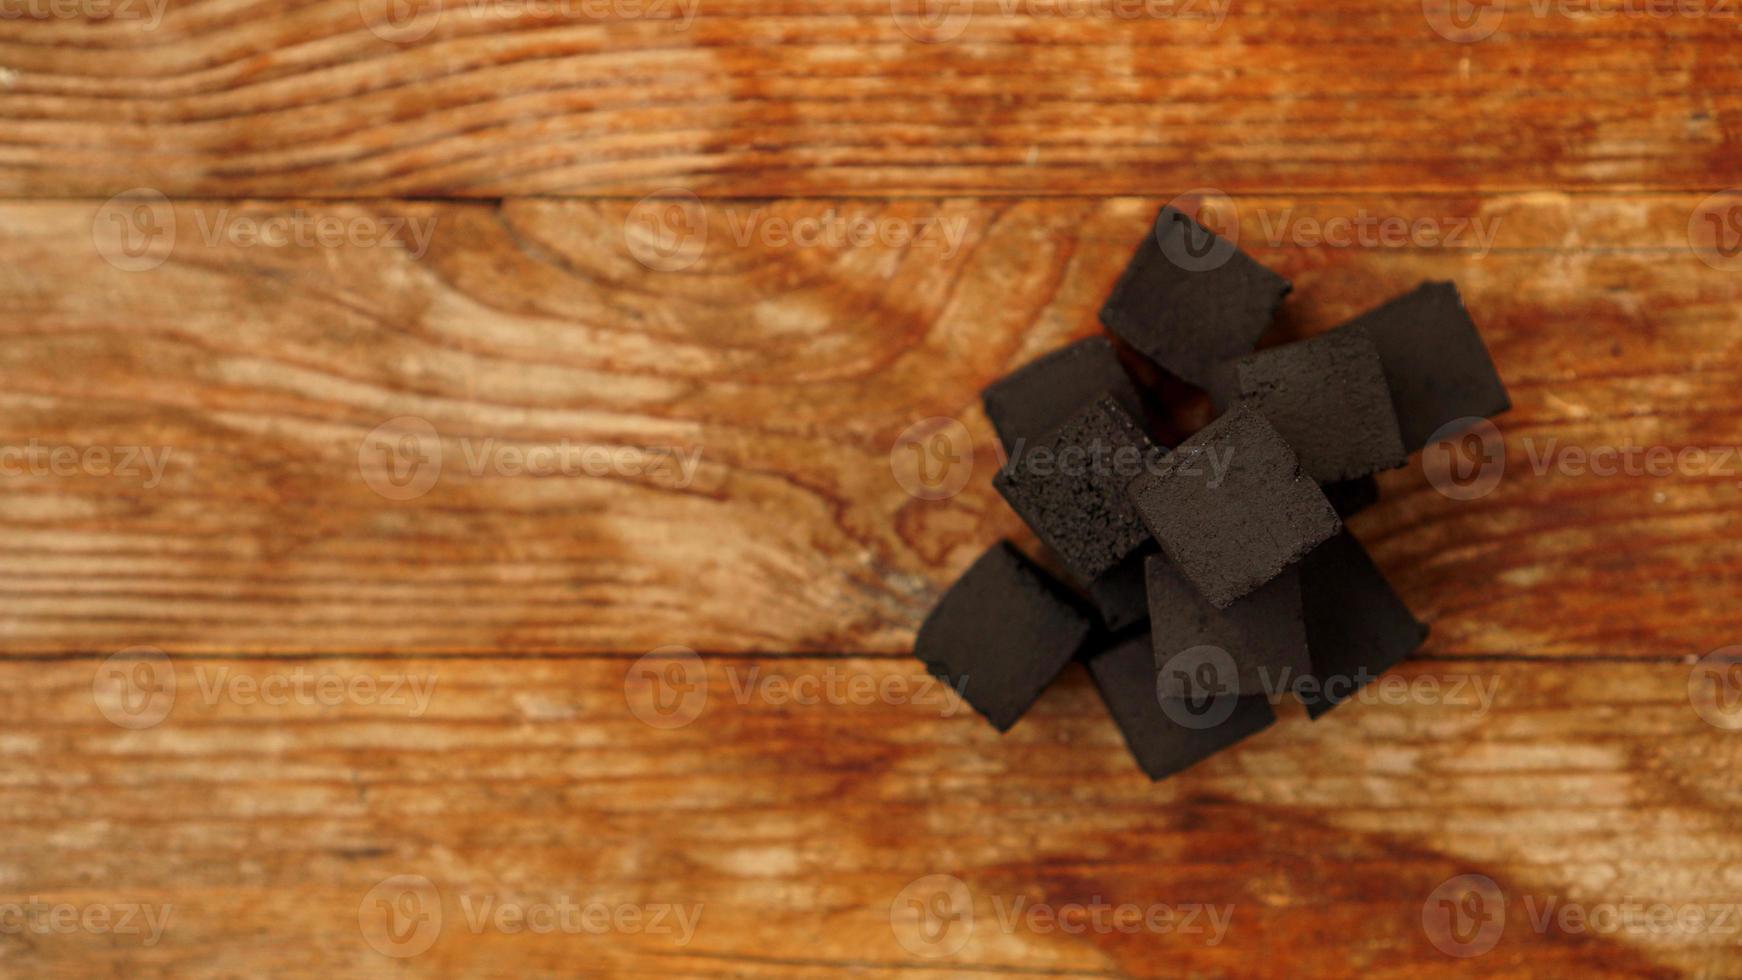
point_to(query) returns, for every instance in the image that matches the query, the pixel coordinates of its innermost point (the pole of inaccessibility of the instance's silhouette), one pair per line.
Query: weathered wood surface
(531, 298)
(795, 826)
(257, 374)
(504, 97)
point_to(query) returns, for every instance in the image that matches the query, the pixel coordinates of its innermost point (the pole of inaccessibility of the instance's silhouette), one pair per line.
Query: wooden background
(1602, 773)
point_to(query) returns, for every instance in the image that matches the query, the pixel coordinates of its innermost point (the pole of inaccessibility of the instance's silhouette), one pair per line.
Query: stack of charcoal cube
(1209, 579)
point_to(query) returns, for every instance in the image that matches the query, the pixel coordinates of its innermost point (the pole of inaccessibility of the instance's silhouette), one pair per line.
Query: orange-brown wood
(858, 218)
(263, 828)
(786, 376)
(505, 97)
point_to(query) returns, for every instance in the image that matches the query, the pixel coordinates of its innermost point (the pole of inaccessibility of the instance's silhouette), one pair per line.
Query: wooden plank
(255, 376)
(733, 97)
(263, 816)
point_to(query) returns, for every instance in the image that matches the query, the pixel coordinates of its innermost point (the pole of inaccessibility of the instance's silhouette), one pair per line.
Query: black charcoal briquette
(1351, 497)
(1121, 594)
(1001, 634)
(1190, 300)
(1232, 508)
(1257, 645)
(1070, 488)
(1165, 739)
(1043, 394)
(1328, 397)
(1357, 625)
(1435, 362)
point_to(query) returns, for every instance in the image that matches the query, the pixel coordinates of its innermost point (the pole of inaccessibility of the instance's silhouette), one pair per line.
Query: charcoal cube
(1047, 392)
(1001, 634)
(1357, 626)
(1190, 300)
(1351, 497)
(1231, 507)
(1257, 645)
(1329, 398)
(1167, 739)
(1121, 595)
(1069, 487)
(1435, 362)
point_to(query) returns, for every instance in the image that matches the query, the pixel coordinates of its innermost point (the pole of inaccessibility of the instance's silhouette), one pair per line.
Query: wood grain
(795, 826)
(748, 97)
(793, 370)
(374, 677)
